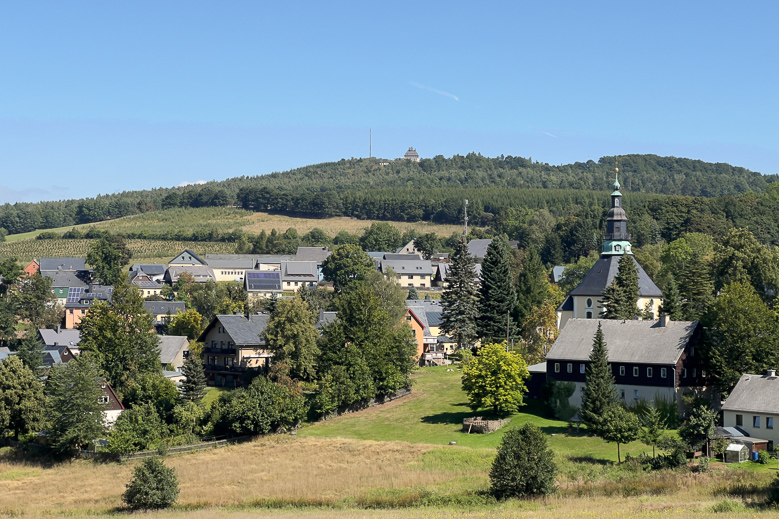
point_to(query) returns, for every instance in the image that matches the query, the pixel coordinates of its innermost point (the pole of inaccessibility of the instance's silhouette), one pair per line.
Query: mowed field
(220, 219)
(390, 461)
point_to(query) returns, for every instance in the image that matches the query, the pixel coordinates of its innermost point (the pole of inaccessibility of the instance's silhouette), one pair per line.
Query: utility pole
(466, 219)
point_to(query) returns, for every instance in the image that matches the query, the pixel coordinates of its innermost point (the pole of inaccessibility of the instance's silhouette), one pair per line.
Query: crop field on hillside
(390, 461)
(144, 251)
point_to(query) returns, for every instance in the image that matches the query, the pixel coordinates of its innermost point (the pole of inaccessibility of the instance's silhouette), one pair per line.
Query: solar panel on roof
(74, 294)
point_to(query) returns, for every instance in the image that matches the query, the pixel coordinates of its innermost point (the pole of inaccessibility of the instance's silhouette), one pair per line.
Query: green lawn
(434, 415)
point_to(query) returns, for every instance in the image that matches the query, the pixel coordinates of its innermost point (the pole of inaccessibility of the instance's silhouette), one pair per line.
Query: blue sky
(100, 97)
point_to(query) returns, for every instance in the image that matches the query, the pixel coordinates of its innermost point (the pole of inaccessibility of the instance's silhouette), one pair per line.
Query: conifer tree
(599, 393)
(458, 302)
(497, 297)
(194, 385)
(697, 288)
(532, 286)
(621, 297)
(30, 351)
(672, 301)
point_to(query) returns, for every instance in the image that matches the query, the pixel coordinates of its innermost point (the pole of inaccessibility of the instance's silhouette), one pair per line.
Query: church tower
(584, 301)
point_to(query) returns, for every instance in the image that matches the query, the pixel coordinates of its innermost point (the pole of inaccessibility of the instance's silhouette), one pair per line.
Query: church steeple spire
(617, 239)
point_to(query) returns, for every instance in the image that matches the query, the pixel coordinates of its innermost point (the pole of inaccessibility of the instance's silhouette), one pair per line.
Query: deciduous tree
(21, 398)
(107, 256)
(154, 486)
(346, 264)
(291, 337)
(619, 425)
(495, 379)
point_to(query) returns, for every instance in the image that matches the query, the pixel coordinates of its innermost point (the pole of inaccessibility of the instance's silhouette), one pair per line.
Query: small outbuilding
(736, 453)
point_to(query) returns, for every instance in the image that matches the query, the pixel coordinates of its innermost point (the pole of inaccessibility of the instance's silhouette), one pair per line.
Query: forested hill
(640, 174)
(405, 190)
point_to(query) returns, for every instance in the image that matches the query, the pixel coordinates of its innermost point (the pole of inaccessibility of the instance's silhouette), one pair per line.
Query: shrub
(524, 465)
(154, 486)
(763, 457)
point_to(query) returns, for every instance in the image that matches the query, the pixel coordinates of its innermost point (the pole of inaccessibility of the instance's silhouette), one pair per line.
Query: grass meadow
(390, 461)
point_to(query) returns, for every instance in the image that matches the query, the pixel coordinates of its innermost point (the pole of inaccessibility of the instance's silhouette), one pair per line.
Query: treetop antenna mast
(465, 232)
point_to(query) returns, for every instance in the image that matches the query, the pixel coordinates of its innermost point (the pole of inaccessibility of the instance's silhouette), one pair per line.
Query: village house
(234, 344)
(163, 311)
(650, 359)
(173, 350)
(411, 270)
(79, 301)
(424, 317)
(753, 407)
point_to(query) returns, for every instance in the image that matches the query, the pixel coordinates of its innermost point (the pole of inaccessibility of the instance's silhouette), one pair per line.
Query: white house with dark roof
(199, 273)
(234, 344)
(173, 350)
(585, 301)
(263, 284)
(753, 406)
(648, 358)
(164, 310)
(412, 272)
(295, 274)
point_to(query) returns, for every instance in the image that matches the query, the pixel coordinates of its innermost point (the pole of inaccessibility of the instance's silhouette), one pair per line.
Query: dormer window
(618, 248)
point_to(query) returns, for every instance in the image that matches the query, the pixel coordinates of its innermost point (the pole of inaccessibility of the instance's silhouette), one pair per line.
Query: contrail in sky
(542, 131)
(435, 91)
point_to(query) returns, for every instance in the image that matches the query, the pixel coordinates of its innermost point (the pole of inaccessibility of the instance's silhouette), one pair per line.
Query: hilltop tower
(412, 155)
(584, 301)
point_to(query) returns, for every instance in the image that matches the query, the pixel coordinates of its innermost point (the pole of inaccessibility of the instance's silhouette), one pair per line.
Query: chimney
(664, 320)
(771, 373)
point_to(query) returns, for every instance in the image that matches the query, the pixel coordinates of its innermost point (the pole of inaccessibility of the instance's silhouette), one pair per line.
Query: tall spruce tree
(459, 300)
(194, 385)
(497, 296)
(620, 299)
(672, 301)
(599, 393)
(532, 287)
(697, 288)
(30, 351)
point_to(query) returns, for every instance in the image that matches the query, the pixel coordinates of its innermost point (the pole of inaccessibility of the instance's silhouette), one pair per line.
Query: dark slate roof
(299, 270)
(150, 269)
(408, 266)
(318, 254)
(566, 305)
(243, 331)
(62, 337)
(49, 264)
(754, 394)
(431, 307)
(163, 307)
(66, 278)
(646, 342)
(200, 273)
(325, 318)
(537, 368)
(478, 248)
(602, 273)
(443, 271)
(402, 257)
(170, 346)
(263, 281)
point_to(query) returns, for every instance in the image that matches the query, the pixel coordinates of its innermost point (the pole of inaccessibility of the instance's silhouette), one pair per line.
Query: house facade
(753, 406)
(650, 359)
(234, 344)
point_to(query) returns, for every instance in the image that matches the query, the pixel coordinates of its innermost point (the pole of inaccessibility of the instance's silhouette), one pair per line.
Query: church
(584, 301)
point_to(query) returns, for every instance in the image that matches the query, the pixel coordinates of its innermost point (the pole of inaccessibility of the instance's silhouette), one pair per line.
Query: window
(581, 368)
(692, 351)
(622, 371)
(649, 372)
(694, 372)
(756, 422)
(663, 372)
(684, 373)
(557, 367)
(570, 367)
(588, 315)
(589, 302)
(769, 422)
(635, 394)
(622, 394)
(635, 371)
(618, 248)
(616, 228)
(103, 399)
(616, 202)
(739, 419)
